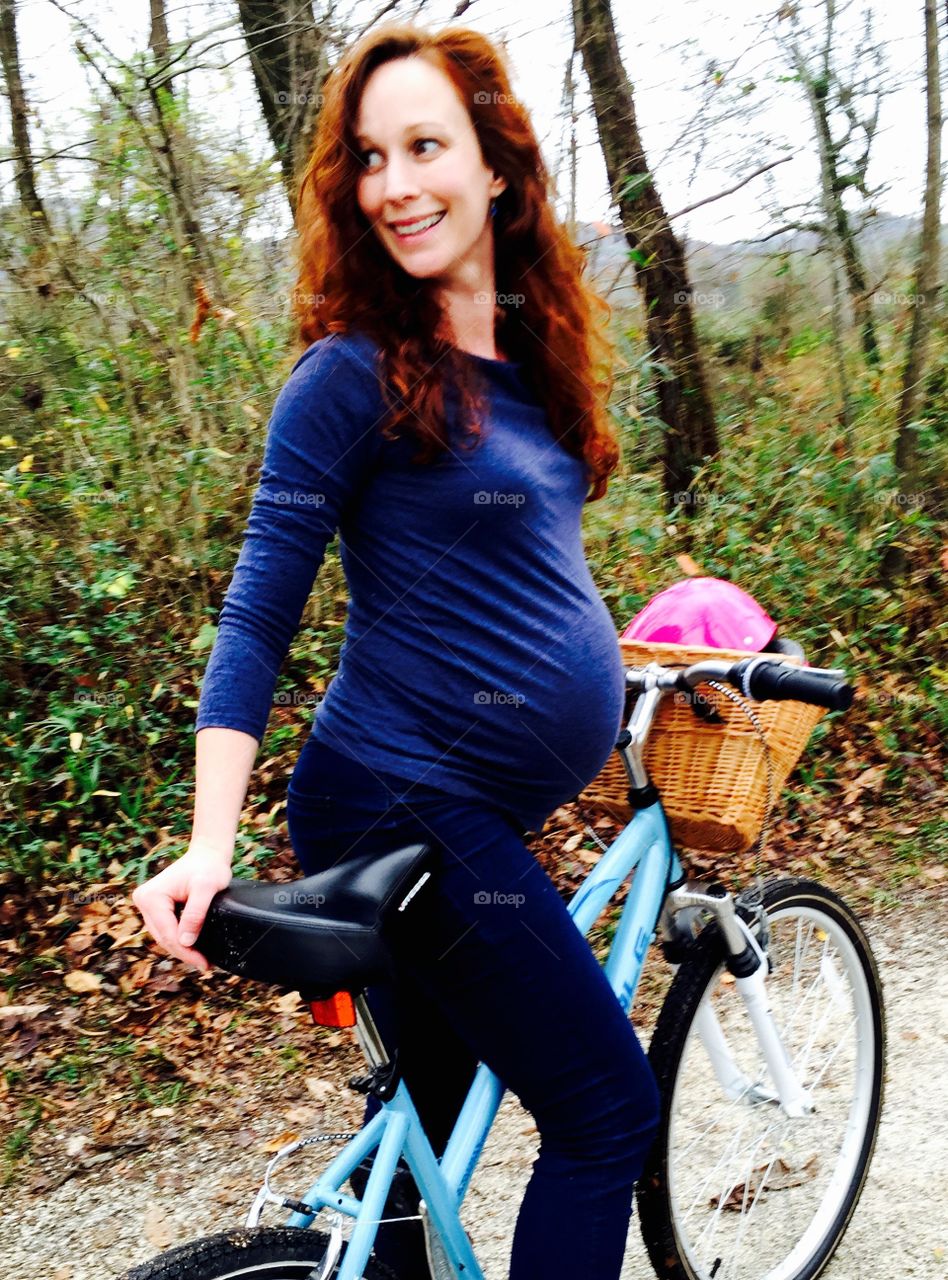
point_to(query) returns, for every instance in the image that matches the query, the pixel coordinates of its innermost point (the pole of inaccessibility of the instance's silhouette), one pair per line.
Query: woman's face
(420, 156)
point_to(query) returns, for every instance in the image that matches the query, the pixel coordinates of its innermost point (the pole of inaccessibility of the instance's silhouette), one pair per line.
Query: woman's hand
(193, 879)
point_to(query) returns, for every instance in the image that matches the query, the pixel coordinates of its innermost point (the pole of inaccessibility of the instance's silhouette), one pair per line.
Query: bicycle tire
(690, 1232)
(259, 1253)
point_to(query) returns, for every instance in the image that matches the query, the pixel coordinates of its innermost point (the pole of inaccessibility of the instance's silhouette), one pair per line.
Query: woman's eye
(364, 156)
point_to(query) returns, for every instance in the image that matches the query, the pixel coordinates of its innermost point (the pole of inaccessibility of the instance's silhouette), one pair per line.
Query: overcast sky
(668, 47)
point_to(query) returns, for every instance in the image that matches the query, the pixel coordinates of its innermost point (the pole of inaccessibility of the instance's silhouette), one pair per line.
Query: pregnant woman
(448, 418)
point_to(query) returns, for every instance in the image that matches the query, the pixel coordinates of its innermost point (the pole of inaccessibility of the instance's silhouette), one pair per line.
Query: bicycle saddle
(321, 934)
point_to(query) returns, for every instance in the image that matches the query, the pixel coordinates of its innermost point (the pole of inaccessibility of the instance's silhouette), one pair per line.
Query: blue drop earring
(493, 207)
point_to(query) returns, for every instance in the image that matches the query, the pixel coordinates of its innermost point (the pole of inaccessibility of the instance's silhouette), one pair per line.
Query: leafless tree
(926, 288)
(29, 197)
(289, 60)
(685, 404)
(844, 110)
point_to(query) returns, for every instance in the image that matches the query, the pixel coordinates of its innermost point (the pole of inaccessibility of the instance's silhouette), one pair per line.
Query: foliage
(129, 454)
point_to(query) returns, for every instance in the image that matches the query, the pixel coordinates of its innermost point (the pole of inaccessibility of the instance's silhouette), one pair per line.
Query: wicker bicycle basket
(712, 778)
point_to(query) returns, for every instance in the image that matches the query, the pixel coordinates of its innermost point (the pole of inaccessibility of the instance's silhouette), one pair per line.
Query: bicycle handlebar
(760, 678)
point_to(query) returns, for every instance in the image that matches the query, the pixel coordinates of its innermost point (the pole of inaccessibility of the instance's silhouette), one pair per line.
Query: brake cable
(751, 898)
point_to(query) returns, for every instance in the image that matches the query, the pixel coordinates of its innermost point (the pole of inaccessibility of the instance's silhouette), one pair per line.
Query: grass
(168, 1094)
(19, 1142)
(922, 854)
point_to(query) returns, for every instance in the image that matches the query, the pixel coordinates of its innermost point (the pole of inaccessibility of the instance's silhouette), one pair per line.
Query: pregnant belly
(584, 730)
(578, 702)
(535, 706)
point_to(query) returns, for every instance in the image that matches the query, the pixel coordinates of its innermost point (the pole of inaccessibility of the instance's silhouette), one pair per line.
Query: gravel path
(191, 1183)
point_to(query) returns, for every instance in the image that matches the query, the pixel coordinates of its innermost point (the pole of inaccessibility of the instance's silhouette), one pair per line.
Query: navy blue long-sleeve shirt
(478, 656)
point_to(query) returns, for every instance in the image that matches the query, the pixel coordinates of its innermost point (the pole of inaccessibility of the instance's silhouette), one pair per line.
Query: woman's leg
(338, 808)
(495, 949)
(490, 959)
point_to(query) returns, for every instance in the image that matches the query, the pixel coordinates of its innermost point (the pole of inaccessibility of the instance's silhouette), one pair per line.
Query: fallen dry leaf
(302, 1116)
(320, 1089)
(870, 779)
(78, 942)
(780, 1176)
(688, 566)
(275, 1144)
(156, 1228)
(286, 1004)
(82, 982)
(137, 975)
(128, 932)
(194, 1074)
(106, 1120)
(170, 1180)
(11, 1013)
(76, 1143)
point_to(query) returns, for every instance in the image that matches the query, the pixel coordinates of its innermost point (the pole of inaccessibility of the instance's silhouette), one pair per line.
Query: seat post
(383, 1079)
(368, 1035)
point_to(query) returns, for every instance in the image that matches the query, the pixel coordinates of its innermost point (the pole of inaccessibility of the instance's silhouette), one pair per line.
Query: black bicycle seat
(322, 934)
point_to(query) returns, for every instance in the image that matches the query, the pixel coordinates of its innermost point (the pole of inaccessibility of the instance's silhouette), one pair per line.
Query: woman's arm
(223, 765)
(224, 762)
(320, 443)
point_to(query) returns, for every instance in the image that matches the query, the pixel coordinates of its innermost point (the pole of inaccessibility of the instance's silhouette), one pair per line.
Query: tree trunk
(158, 39)
(926, 297)
(171, 156)
(816, 89)
(858, 289)
(684, 399)
(289, 63)
(836, 214)
(32, 205)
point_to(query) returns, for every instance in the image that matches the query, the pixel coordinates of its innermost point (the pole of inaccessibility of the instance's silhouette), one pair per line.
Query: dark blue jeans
(493, 969)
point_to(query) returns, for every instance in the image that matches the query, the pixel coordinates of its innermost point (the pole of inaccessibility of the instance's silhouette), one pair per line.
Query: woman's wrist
(217, 850)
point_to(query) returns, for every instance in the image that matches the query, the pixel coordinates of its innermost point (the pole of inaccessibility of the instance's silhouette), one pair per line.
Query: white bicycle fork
(739, 939)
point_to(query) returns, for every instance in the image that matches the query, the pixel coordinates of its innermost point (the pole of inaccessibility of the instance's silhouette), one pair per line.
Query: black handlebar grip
(765, 680)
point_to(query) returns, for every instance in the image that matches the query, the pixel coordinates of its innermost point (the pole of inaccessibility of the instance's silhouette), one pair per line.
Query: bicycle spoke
(752, 1192)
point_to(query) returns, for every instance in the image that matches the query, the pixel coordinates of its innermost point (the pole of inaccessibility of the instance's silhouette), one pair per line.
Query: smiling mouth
(419, 227)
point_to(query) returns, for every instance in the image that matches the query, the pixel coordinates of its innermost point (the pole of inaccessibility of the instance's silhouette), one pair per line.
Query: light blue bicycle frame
(644, 846)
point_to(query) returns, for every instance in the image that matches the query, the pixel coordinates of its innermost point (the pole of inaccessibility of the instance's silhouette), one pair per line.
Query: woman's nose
(400, 182)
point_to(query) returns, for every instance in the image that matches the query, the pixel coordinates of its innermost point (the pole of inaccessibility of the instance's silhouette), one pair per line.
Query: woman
(453, 443)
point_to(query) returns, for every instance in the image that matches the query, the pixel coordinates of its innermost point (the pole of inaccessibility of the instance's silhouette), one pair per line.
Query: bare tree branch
(689, 208)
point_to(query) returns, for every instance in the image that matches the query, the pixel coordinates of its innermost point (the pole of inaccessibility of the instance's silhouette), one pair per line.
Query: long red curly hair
(559, 330)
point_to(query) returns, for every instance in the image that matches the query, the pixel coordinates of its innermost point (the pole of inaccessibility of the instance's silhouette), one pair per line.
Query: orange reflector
(337, 1011)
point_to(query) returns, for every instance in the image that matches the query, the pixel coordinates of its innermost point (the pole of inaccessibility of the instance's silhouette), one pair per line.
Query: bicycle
(769, 1048)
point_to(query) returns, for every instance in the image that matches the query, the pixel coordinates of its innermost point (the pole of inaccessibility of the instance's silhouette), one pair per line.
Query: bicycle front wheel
(259, 1253)
(734, 1188)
